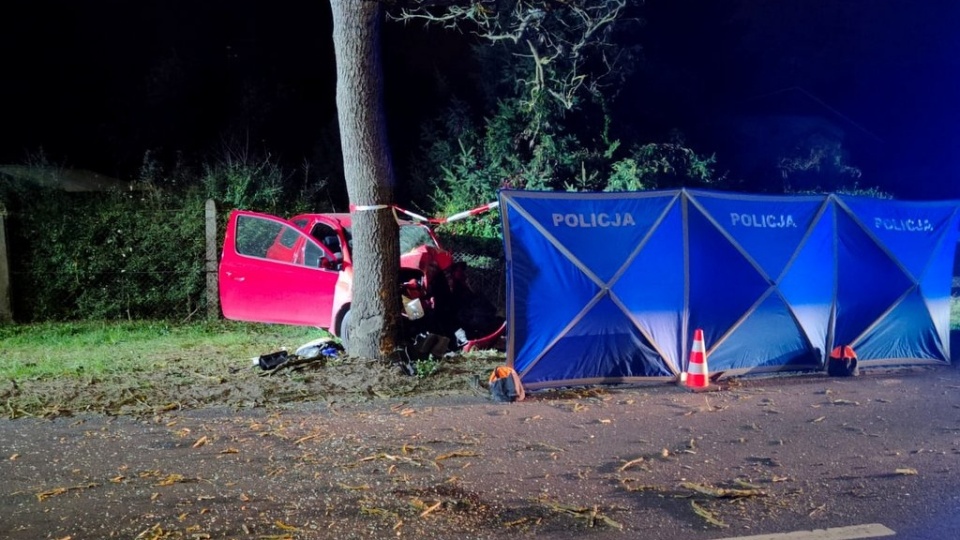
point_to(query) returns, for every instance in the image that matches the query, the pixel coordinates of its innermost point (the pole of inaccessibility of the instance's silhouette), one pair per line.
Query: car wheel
(345, 330)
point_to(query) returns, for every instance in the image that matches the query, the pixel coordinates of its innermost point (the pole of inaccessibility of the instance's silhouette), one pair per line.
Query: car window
(255, 236)
(326, 235)
(312, 255)
(289, 237)
(267, 239)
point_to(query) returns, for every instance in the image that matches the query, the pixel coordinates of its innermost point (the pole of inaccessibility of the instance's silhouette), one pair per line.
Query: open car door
(272, 272)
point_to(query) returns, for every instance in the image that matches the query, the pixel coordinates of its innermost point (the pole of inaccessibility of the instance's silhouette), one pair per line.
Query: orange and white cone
(698, 376)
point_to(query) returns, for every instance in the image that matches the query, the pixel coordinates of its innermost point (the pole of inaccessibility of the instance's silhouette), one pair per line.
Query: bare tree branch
(561, 35)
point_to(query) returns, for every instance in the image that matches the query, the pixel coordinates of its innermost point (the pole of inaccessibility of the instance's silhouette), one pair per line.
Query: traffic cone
(698, 377)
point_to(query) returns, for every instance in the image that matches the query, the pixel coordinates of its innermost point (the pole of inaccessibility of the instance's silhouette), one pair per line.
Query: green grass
(90, 349)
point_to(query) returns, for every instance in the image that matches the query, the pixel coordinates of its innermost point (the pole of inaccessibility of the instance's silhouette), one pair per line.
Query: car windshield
(412, 236)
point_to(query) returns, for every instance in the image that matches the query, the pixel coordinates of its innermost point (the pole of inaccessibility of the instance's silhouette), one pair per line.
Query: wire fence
(132, 261)
(488, 278)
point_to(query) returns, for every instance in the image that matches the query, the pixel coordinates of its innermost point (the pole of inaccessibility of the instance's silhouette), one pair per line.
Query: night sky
(96, 83)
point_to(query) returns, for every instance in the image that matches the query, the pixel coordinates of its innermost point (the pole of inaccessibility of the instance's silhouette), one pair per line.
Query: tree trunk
(367, 166)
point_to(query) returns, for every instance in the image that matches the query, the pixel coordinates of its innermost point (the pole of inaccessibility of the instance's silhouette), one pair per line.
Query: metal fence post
(6, 306)
(213, 292)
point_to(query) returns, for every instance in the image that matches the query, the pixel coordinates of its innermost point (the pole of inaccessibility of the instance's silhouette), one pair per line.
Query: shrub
(130, 254)
(106, 256)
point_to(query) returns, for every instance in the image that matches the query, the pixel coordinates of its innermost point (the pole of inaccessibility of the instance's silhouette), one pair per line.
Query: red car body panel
(300, 272)
(275, 285)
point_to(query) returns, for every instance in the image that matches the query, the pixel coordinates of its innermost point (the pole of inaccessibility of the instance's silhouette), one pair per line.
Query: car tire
(345, 330)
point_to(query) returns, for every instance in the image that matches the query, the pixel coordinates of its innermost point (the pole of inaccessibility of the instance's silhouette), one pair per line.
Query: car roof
(342, 217)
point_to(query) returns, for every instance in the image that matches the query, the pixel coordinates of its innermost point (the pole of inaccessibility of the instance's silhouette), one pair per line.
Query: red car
(300, 272)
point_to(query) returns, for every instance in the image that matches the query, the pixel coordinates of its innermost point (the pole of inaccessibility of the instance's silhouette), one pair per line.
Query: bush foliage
(111, 255)
(127, 254)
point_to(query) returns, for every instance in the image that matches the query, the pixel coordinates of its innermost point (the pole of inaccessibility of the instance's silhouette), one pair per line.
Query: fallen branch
(427, 512)
(456, 454)
(307, 438)
(626, 483)
(592, 515)
(398, 459)
(631, 463)
(723, 493)
(707, 515)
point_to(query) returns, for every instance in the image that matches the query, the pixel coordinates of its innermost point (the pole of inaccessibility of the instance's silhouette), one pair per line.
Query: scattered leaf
(769, 462)
(44, 495)
(375, 511)
(174, 478)
(844, 402)
(745, 484)
(542, 447)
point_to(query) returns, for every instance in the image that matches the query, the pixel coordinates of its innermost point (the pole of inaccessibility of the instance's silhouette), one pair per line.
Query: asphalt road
(791, 453)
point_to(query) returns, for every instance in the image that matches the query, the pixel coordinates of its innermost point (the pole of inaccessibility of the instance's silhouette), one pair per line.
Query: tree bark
(368, 169)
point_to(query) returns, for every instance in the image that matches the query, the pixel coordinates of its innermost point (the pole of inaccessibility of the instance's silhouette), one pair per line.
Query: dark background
(97, 83)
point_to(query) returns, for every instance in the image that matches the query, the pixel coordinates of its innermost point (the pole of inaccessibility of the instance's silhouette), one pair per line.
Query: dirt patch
(201, 379)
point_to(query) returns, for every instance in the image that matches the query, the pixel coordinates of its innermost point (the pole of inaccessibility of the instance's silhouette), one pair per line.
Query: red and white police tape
(455, 217)
(436, 221)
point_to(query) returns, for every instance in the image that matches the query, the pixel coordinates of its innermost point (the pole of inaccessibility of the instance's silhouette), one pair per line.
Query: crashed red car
(300, 272)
